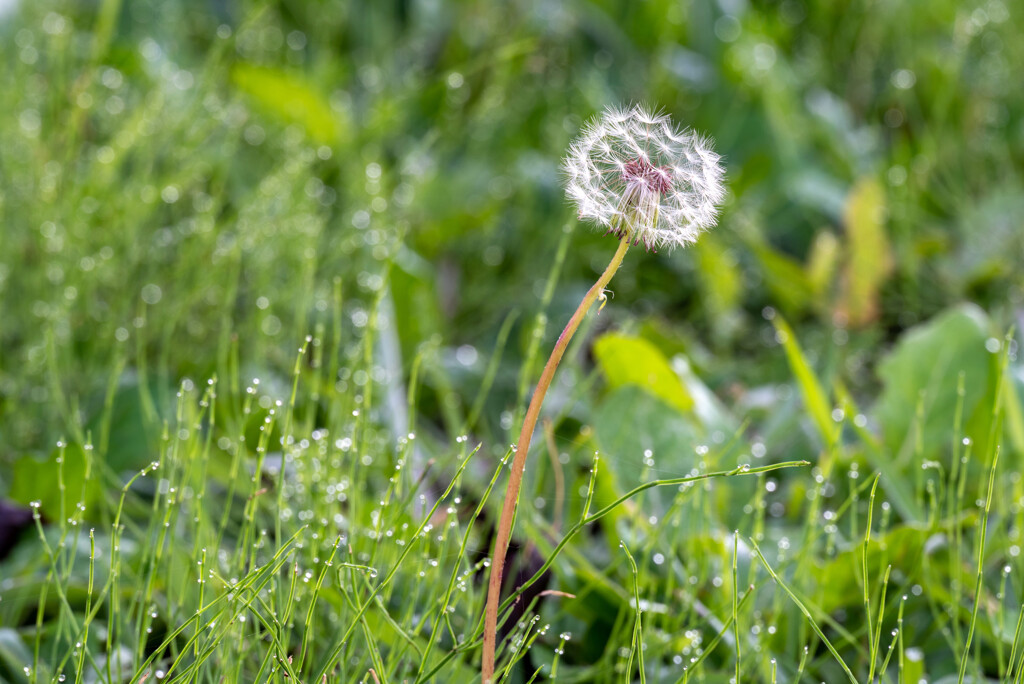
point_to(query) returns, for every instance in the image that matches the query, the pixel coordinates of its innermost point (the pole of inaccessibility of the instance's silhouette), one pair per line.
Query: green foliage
(57, 484)
(635, 361)
(922, 369)
(870, 258)
(288, 98)
(815, 399)
(189, 190)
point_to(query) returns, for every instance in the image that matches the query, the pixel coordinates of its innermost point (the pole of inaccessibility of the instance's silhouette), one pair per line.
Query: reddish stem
(519, 462)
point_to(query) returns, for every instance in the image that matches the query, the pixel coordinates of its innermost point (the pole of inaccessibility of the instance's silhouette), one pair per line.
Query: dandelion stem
(519, 461)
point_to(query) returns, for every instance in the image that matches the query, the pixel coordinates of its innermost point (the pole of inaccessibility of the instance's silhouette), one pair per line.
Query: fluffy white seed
(633, 172)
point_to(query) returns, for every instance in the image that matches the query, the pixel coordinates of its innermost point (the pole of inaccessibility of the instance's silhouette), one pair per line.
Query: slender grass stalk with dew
(645, 181)
(636, 645)
(806, 613)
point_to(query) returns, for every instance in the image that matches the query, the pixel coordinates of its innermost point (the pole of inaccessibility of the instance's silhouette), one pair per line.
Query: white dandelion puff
(633, 172)
(643, 179)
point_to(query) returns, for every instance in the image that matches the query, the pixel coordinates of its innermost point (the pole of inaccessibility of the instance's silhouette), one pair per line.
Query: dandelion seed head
(633, 172)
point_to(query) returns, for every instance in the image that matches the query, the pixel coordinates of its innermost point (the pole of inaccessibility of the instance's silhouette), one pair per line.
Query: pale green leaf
(627, 360)
(290, 98)
(870, 258)
(815, 398)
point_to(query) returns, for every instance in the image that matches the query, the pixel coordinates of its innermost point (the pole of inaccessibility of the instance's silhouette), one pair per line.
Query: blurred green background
(189, 189)
(184, 183)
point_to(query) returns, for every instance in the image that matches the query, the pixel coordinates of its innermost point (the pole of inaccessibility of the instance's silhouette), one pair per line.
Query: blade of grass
(807, 614)
(474, 641)
(979, 582)
(407, 549)
(866, 583)
(636, 645)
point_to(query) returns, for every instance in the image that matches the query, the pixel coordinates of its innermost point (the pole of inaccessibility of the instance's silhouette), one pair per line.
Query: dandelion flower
(636, 174)
(645, 181)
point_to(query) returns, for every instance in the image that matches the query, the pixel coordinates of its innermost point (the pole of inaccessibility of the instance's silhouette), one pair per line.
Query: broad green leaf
(290, 98)
(39, 480)
(627, 360)
(870, 260)
(630, 421)
(815, 398)
(840, 581)
(630, 427)
(898, 487)
(129, 445)
(925, 365)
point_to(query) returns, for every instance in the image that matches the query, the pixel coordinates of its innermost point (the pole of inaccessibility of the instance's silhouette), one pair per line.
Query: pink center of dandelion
(641, 172)
(644, 182)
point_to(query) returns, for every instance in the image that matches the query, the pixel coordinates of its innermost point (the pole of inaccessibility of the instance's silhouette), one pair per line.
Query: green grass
(214, 562)
(265, 573)
(276, 280)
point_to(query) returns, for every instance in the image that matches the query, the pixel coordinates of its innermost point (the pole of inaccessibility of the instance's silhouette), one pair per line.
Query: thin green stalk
(453, 578)
(418, 534)
(877, 638)
(536, 673)
(803, 664)
(88, 606)
(307, 630)
(637, 643)
(1016, 644)
(540, 323)
(473, 641)
(900, 655)
(1001, 619)
(735, 600)
(706, 651)
(115, 573)
(202, 587)
(806, 613)
(286, 432)
(895, 640)
(864, 574)
(594, 517)
(490, 374)
(562, 638)
(978, 585)
(520, 645)
(162, 527)
(953, 499)
(371, 644)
